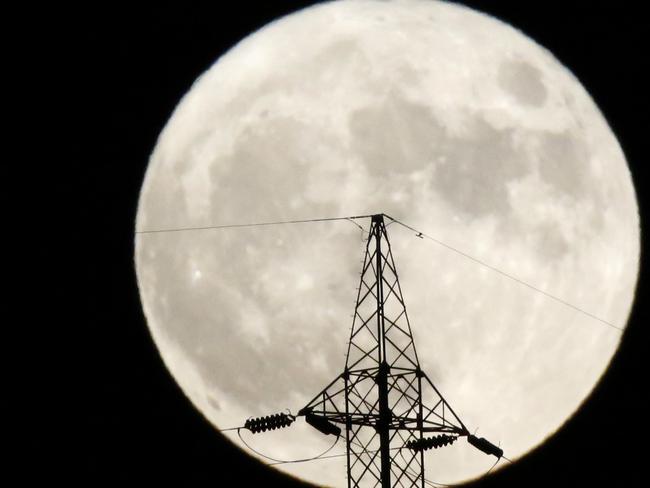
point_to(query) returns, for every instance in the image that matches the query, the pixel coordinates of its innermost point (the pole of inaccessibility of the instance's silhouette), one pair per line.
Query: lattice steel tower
(383, 400)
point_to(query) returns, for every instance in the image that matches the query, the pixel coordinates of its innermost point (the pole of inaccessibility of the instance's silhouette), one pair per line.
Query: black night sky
(132, 66)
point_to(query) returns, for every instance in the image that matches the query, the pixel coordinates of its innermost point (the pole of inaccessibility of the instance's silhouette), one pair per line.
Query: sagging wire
(284, 461)
(493, 466)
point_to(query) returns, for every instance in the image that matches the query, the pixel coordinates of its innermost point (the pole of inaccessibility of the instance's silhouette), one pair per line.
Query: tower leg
(383, 424)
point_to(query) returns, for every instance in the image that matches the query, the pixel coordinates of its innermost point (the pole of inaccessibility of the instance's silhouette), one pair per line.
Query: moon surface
(442, 117)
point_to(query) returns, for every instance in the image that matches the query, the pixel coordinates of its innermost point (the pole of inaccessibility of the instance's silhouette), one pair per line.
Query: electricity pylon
(383, 399)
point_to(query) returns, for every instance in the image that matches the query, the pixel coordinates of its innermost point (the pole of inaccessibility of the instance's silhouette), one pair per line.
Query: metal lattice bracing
(383, 399)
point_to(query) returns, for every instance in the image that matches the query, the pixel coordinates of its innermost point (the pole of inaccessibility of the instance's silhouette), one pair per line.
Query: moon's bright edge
(435, 114)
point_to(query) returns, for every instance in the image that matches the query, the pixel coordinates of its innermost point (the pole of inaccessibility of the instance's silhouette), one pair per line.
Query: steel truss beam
(383, 399)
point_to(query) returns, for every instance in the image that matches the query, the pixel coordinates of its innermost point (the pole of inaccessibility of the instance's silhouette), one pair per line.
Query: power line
(493, 466)
(322, 455)
(363, 451)
(280, 461)
(258, 224)
(310, 459)
(418, 233)
(503, 273)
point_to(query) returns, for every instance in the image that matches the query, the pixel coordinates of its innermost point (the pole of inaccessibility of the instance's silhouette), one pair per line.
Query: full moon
(437, 115)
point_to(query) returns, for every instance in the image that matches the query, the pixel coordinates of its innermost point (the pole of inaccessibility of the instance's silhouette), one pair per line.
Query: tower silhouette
(383, 400)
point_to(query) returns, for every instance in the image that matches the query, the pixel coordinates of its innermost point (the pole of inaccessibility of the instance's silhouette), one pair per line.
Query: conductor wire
(282, 461)
(493, 466)
(503, 273)
(258, 224)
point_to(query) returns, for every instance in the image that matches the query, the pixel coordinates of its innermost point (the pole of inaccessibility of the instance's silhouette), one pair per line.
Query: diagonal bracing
(383, 399)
